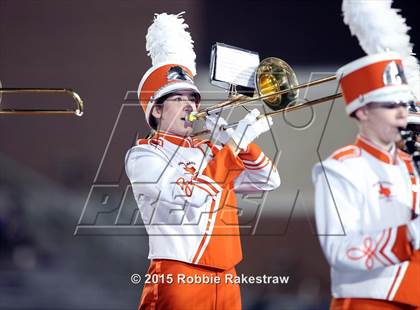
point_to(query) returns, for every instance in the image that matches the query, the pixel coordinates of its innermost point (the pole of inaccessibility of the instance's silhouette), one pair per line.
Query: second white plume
(380, 28)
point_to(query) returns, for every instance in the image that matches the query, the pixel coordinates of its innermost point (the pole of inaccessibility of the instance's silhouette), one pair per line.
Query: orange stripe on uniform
(409, 289)
(346, 152)
(374, 151)
(214, 189)
(384, 246)
(393, 282)
(402, 248)
(205, 236)
(407, 160)
(258, 167)
(225, 240)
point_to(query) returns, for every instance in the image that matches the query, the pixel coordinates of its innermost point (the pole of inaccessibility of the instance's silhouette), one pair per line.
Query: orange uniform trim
(225, 238)
(374, 151)
(178, 140)
(409, 289)
(348, 151)
(259, 167)
(407, 160)
(205, 236)
(393, 282)
(223, 169)
(384, 246)
(402, 247)
(253, 154)
(404, 155)
(201, 245)
(214, 189)
(257, 163)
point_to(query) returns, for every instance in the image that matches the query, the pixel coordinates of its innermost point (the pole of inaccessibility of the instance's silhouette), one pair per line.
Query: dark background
(98, 48)
(48, 164)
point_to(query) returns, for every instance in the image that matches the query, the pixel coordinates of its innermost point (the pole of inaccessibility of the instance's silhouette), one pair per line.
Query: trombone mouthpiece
(192, 117)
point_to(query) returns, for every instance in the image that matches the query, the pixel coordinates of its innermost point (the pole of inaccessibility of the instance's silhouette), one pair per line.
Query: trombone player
(185, 188)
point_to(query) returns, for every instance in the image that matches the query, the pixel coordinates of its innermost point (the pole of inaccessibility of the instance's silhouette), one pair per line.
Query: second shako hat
(173, 58)
(374, 78)
(390, 72)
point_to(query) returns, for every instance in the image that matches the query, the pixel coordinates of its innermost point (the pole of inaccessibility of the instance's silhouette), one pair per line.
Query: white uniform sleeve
(338, 210)
(152, 175)
(260, 173)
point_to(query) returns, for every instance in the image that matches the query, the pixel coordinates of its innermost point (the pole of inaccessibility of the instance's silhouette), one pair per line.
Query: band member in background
(184, 187)
(367, 194)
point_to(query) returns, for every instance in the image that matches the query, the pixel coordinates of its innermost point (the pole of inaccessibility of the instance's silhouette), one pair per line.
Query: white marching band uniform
(181, 188)
(364, 199)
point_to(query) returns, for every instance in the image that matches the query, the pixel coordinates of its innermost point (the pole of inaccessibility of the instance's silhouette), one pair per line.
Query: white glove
(214, 123)
(414, 231)
(249, 128)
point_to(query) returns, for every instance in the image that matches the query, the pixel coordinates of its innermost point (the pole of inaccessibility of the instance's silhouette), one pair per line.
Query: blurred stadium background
(49, 164)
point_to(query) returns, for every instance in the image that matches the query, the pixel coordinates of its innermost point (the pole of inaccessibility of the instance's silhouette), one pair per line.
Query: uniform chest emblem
(188, 167)
(384, 189)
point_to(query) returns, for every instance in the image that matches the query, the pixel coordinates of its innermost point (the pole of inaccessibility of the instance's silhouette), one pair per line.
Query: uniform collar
(175, 139)
(389, 157)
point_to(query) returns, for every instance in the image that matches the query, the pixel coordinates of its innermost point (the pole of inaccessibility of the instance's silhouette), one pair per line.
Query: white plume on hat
(380, 28)
(167, 41)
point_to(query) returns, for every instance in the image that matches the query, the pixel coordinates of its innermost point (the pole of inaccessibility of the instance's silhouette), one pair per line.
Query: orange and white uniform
(185, 190)
(364, 198)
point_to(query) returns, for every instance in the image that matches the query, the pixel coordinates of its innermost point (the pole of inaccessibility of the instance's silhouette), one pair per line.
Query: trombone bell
(274, 75)
(277, 86)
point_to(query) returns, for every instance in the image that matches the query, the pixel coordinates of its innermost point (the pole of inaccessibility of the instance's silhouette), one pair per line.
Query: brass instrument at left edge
(78, 102)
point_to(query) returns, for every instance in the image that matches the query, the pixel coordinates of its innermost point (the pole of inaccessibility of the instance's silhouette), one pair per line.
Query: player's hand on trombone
(215, 123)
(250, 127)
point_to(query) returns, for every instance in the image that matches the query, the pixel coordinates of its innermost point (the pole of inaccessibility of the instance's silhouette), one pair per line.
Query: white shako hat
(173, 62)
(390, 65)
(374, 78)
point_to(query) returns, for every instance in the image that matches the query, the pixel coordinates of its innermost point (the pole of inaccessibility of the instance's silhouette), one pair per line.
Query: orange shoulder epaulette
(349, 151)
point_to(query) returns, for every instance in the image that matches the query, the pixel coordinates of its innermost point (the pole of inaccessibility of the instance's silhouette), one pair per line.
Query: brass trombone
(277, 86)
(78, 109)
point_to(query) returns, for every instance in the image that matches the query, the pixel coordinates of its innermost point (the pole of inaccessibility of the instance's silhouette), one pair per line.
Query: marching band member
(184, 187)
(367, 194)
